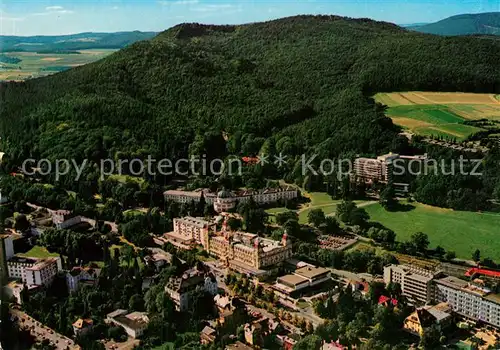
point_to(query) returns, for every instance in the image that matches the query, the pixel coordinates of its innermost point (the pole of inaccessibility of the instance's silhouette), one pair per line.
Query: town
(247, 289)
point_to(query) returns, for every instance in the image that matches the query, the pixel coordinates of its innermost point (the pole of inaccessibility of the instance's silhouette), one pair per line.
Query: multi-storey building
(226, 200)
(181, 289)
(416, 283)
(81, 275)
(189, 230)
(247, 252)
(32, 271)
(469, 300)
(6, 253)
(383, 168)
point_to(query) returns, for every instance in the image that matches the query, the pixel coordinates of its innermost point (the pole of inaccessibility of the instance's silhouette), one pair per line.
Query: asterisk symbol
(262, 159)
(279, 160)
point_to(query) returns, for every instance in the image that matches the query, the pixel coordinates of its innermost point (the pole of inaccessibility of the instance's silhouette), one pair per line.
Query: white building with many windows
(416, 283)
(34, 272)
(469, 300)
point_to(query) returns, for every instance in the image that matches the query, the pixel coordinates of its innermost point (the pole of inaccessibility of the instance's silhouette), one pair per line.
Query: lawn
(462, 232)
(38, 252)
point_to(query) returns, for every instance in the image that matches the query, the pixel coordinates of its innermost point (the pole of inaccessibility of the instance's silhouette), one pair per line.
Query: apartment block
(469, 300)
(32, 271)
(416, 283)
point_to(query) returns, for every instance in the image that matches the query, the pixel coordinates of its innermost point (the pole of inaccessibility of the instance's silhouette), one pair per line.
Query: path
(41, 332)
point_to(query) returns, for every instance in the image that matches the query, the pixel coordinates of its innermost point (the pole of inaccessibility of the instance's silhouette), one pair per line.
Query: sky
(43, 17)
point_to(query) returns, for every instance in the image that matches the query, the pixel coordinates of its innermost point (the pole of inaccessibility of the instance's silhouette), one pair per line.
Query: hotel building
(416, 283)
(189, 230)
(32, 271)
(380, 169)
(247, 252)
(469, 300)
(226, 200)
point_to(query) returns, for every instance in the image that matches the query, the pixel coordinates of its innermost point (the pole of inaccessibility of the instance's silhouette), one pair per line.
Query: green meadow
(460, 231)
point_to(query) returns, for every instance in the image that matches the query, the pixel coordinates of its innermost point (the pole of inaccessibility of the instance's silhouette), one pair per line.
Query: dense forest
(297, 85)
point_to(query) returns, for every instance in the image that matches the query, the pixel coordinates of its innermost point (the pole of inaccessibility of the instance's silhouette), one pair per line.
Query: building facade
(227, 200)
(181, 289)
(79, 275)
(469, 300)
(134, 323)
(416, 283)
(192, 229)
(34, 272)
(248, 252)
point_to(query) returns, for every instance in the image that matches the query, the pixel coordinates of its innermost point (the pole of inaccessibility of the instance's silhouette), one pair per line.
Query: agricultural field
(33, 64)
(440, 114)
(460, 231)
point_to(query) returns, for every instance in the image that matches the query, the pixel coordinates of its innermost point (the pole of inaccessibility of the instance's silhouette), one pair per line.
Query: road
(41, 332)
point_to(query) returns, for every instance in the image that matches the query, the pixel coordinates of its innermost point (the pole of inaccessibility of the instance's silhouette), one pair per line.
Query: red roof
(384, 300)
(476, 270)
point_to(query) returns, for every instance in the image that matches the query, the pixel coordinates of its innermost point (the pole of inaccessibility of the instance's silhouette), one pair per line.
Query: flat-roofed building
(190, 230)
(33, 271)
(466, 299)
(416, 283)
(134, 323)
(304, 277)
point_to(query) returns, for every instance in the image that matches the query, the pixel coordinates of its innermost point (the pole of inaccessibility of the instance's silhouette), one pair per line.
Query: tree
(331, 226)
(476, 256)
(420, 242)
(430, 338)
(281, 218)
(388, 196)
(316, 217)
(439, 252)
(309, 342)
(450, 255)
(234, 223)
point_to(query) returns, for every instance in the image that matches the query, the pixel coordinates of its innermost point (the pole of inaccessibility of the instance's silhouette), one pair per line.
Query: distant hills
(467, 24)
(300, 84)
(81, 41)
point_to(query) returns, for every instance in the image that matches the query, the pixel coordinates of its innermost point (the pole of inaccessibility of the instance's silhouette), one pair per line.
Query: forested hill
(467, 24)
(302, 83)
(80, 41)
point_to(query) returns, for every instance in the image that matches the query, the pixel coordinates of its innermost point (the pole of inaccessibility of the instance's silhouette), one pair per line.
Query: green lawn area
(461, 231)
(126, 178)
(38, 252)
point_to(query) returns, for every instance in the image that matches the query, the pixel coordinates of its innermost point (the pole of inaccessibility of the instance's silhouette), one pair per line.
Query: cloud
(115, 8)
(49, 10)
(178, 2)
(54, 8)
(213, 8)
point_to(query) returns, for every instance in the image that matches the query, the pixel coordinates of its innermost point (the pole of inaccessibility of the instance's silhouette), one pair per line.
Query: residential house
(134, 323)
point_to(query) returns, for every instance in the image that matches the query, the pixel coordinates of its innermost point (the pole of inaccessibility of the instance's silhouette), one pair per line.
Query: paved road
(41, 332)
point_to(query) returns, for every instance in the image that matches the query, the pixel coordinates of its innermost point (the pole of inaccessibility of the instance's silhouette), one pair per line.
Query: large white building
(226, 200)
(469, 300)
(34, 272)
(81, 275)
(189, 230)
(181, 289)
(416, 283)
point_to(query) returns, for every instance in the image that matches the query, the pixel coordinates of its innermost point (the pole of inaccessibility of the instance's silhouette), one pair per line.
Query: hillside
(81, 41)
(468, 24)
(295, 85)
